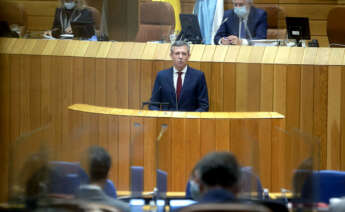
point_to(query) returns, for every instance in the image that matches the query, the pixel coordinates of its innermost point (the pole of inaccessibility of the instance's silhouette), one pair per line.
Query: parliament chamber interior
(277, 105)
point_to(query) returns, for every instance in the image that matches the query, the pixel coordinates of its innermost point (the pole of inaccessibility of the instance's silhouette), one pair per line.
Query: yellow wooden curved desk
(131, 136)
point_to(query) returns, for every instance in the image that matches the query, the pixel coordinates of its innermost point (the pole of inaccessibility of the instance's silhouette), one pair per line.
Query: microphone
(160, 104)
(249, 34)
(225, 20)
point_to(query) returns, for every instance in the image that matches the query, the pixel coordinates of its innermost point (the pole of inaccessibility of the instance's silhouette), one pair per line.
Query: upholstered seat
(157, 21)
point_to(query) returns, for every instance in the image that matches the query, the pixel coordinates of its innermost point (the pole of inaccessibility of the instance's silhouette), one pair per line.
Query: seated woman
(70, 11)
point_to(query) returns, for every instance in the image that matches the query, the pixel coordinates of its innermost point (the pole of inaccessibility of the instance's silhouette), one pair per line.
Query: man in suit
(242, 23)
(98, 163)
(181, 87)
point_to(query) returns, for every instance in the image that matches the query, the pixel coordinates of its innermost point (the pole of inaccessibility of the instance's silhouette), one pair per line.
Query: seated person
(98, 163)
(69, 12)
(219, 175)
(233, 28)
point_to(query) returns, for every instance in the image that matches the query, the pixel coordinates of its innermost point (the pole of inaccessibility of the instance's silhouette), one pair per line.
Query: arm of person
(156, 94)
(222, 31)
(202, 95)
(261, 29)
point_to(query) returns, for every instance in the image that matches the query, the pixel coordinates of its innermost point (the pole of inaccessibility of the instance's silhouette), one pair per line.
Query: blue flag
(210, 15)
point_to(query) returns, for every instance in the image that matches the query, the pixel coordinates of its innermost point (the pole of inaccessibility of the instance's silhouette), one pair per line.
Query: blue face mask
(194, 190)
(69, 5)
(241, 12)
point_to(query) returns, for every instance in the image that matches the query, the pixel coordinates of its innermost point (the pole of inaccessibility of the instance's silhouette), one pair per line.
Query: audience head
(72, 4)
(180, 53)
(98, 163)
(194, 182)
(219, 170)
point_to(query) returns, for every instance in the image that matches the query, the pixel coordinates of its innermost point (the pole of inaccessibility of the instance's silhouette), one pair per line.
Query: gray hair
(178, 44)
(248, 1)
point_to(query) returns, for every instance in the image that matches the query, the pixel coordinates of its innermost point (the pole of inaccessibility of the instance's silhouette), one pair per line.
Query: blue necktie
(243, 30)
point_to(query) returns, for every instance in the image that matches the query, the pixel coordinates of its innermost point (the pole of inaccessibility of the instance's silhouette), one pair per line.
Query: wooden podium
(131, 136)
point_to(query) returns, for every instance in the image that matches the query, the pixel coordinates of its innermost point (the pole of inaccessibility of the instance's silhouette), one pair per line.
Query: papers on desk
(265, 42)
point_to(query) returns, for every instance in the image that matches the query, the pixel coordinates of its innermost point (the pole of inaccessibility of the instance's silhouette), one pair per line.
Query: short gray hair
(178, 44)
(248, 1)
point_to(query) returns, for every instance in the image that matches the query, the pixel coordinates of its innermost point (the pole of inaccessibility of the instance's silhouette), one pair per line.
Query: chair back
(66, 177)
(275, 17)
(96, 15)
(137, 180)
(157, 20)
(324, 185)
(336, 26)
(162, 182)
(110, 189)
(225, 207)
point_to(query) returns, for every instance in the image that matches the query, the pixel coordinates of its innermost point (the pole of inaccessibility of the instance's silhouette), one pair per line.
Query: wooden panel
(333, 118)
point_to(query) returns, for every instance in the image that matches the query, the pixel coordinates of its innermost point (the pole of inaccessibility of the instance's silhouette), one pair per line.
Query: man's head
(219, 170)
(99, 163)
(241, 7)
(180, 53)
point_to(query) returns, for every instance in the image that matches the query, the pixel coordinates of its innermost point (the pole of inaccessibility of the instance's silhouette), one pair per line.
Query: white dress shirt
(184, 70)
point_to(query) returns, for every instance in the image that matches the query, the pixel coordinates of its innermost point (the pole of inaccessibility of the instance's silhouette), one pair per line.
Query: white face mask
(194, 190)
(69, 5)
(241, 12)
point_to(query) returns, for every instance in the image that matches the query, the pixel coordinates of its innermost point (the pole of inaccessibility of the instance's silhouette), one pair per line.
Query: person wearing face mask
(241, 24)
(69, 11)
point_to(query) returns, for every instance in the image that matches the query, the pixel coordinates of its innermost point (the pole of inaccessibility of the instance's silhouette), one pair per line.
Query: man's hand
(48, 33)
(68, 30)
(231, 40)
(234, 40)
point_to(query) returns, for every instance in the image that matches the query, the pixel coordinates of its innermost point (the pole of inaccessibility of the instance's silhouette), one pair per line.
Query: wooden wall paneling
(132, 77)
(124, 153)
(178, 155)
(207, 136)
(149, 152)
(5, 123)
(265, 149)
(320, 112)
(342, 125)
(101, 93)
(89, 90)
(136, 142)
(266, 87)
(216, 86)
(241, 75)
(307, 110)
(46, 110)
(279, 175)
(147, 73)
(164, 146)
(193, 145)
(113, 149)
(333, 117)
(222, 135)
(80, 129)
(242, 70)
(293, 99)
(254, 78)
(229, 89)
(56, 98)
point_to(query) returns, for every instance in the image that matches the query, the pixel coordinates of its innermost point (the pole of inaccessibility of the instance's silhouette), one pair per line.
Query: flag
(177, 9)
(210, 14)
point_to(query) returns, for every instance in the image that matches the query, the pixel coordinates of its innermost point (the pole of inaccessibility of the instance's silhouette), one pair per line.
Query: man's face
(180, 57)
(240, 3)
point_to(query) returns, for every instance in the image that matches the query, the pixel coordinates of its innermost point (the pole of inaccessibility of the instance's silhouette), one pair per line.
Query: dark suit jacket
(194, 95)
(218, 196)
(80, 16)
(257, 24)
(98, 196)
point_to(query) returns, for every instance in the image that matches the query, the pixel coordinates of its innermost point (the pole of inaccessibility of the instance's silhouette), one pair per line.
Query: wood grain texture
(44, 77)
